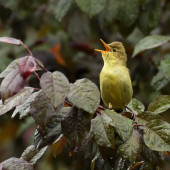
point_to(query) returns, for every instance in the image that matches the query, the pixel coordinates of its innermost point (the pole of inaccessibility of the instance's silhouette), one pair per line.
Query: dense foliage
(69, 117)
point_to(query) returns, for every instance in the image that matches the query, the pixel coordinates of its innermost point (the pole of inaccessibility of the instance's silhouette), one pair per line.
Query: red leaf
(56, 50)
(58, 145)
(26, 66)
(10, 40)
(11, 84)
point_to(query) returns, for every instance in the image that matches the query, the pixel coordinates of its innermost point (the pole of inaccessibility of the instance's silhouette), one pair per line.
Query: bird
(115, 81)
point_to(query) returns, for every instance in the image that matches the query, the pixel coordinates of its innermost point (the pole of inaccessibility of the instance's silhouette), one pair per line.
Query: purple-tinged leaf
(11, 84)
(16, 100)
(76, 125)
(32, 155)
(14, 65)
(10, 40)
(27, 65)
(56, 86)
(16, 164)
(24, 109)
(42, 111)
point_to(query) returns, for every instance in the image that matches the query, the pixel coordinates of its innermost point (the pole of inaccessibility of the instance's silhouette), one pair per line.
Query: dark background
(63, 35)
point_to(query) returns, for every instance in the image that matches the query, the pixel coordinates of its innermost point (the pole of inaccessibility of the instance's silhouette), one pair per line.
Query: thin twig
(37, 75)
(43, 68)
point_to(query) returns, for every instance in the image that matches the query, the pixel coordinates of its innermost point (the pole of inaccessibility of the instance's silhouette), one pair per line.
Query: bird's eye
(114, 50)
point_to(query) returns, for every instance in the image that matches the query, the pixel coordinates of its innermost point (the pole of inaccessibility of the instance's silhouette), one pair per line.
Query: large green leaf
(149, 42)
(109, 13)
(128, 12)
(136, 106)
(103, 132)
(156, 131)
(131, 148)
(76, 125)
(160, 104)
(149, 16)
(15, 100)
(162, 78)
(85, 95)
(62, 8)
(55, 85)
(91, 7)
(122, 125)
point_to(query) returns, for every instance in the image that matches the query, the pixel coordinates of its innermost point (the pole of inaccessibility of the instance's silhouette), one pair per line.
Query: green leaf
(15, 100)
(32, 155)
(24, 109)
(131, 148)
(76, 125)
(128, 12)
(109, 13)
(91, 7)
(162, 78)
(122, 125)
(85, 95)
(62, 9)
(16, 164)
(165, 66)
(159, 81)
(136, 106)
(82, 31)
(149, 16)
(156, 131)
(103, 132)
(55, 85)
(149, 42)
(160, 104)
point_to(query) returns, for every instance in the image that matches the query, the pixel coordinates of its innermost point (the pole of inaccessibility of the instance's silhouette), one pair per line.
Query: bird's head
(114, 54)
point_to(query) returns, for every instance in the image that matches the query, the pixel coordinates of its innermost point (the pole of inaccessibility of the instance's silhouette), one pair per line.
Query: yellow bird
(115, 82)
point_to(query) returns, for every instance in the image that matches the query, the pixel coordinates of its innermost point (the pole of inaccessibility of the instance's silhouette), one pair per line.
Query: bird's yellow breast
(115, 86)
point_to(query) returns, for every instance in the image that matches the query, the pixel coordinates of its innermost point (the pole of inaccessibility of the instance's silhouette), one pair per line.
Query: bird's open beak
(106, 46)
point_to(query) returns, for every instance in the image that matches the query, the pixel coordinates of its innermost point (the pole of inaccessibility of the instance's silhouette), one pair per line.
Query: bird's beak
(106, 46)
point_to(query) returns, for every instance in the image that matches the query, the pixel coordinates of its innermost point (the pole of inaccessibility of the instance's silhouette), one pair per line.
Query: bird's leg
(133, 114)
